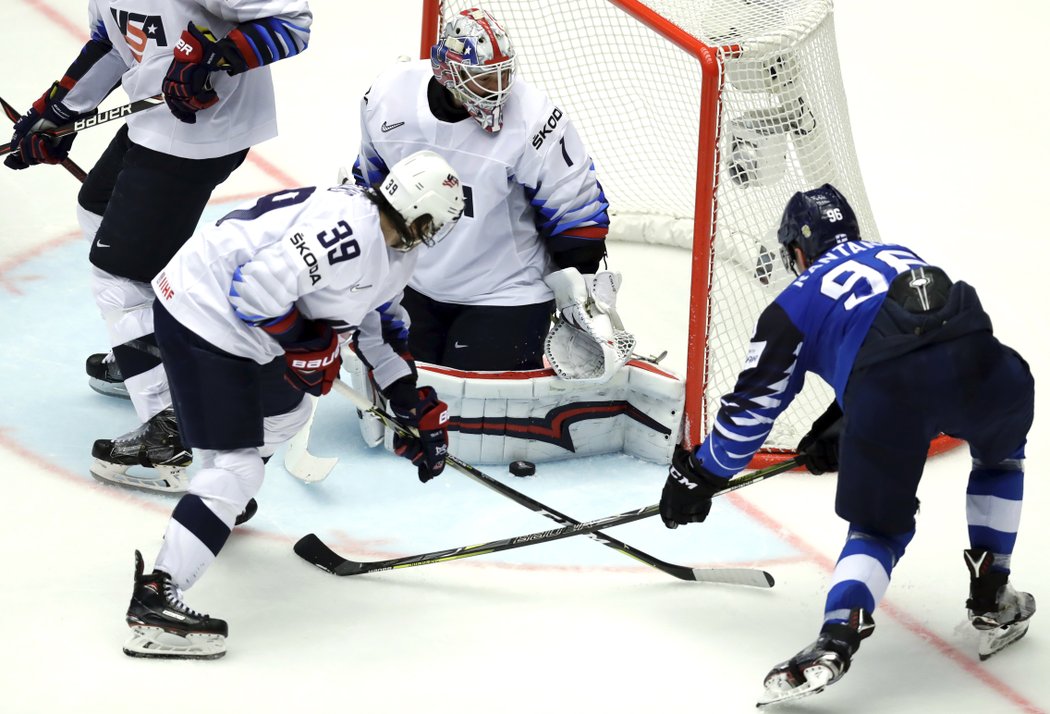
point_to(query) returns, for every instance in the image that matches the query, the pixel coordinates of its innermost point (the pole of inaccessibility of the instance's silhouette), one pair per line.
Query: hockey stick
(742, 576)
(103, 117)
(78, 173)
(757, 578)
(298, 460)
(313, 550)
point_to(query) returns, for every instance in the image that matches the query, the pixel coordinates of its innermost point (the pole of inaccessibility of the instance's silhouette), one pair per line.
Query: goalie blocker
(499, 417)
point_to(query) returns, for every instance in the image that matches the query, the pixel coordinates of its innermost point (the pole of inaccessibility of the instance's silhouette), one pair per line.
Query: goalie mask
(474, 59)
(816, 221)
(423, 185)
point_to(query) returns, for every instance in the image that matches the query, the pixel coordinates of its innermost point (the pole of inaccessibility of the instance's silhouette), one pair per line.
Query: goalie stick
(682, 572)
(78, 173)
(102, 117)
(313, 550)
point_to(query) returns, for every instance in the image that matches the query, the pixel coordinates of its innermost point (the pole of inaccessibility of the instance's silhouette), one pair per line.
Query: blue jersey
(816, 324)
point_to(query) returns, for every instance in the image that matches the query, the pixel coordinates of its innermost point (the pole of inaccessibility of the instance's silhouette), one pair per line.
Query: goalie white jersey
(141, 38)
(530, 188)
(318, 249)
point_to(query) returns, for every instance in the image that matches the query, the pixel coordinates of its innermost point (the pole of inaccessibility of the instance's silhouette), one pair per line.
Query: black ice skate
(155, 444)
(999, 613)
(821, 664)
(163, 626)
(104, 375)
(249, 511)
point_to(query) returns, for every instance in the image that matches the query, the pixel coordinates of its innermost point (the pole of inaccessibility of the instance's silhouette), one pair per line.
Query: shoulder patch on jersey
(547, 127)
(754, 354)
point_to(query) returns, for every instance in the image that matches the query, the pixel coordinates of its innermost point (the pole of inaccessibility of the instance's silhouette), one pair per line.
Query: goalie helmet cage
(703, 118)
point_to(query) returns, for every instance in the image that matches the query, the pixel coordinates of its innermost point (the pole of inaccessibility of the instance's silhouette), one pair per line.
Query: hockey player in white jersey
(534, 203)
(260, 301)
(144, 196)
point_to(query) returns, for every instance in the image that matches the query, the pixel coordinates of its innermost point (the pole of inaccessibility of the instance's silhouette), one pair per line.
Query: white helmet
(474, 59)
(424, 184)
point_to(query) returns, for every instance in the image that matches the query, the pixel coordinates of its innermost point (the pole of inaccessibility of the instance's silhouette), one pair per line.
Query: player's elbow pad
(260, 42)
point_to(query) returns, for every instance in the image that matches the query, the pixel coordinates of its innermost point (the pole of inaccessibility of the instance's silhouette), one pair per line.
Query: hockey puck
(522, 468)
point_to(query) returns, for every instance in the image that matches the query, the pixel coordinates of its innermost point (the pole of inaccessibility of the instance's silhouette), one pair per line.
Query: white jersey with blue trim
(318, 249)
(524, 186)
(143, 36)
(816, 324)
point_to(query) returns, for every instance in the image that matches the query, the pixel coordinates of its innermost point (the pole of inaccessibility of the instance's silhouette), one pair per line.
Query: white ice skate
(997, 611)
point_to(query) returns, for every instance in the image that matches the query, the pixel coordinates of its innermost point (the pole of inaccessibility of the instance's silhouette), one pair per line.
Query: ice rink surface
(947, 101)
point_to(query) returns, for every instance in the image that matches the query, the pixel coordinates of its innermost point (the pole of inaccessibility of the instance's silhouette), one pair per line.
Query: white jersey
(143, 35)
(525, 186)
(318, 249)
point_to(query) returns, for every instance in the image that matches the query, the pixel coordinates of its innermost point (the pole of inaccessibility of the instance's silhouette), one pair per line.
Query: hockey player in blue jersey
(910, 354)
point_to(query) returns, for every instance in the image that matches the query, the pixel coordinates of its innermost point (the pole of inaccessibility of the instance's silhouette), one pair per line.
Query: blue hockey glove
(30, 146)
(421, 409)
(687, 493)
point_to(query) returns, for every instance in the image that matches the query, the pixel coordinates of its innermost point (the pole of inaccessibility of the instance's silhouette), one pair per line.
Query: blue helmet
(816, 221)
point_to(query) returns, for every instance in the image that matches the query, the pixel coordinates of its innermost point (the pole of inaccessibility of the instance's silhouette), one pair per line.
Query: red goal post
(703, 118)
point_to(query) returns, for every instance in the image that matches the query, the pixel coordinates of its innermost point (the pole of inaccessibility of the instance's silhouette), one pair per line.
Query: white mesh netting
(782, 126)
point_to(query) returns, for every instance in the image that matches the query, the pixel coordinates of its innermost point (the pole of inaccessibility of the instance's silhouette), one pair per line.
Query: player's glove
(187, 85)
(311, 351)
(29, 144)
(687, 493)
(818, 450)
(422, 410)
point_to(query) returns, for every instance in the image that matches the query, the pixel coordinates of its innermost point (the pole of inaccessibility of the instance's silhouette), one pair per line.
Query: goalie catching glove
(588, 342)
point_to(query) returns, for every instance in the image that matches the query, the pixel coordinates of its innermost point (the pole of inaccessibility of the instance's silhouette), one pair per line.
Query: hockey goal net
(703, 118)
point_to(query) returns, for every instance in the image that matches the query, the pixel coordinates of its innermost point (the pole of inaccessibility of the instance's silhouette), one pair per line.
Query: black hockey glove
(29, 144)
(687, 493)
(818, 450)
(420, 409)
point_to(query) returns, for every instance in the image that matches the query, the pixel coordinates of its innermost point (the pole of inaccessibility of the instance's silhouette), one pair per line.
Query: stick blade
(734, 576)
(305, 466)
(298, 460)
(313, 550)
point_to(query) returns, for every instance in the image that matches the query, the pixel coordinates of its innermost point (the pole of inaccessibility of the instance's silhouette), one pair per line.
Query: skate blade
(779, 690)
(992, 641)
(110, 389)
(169, 479)
(155, 643)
